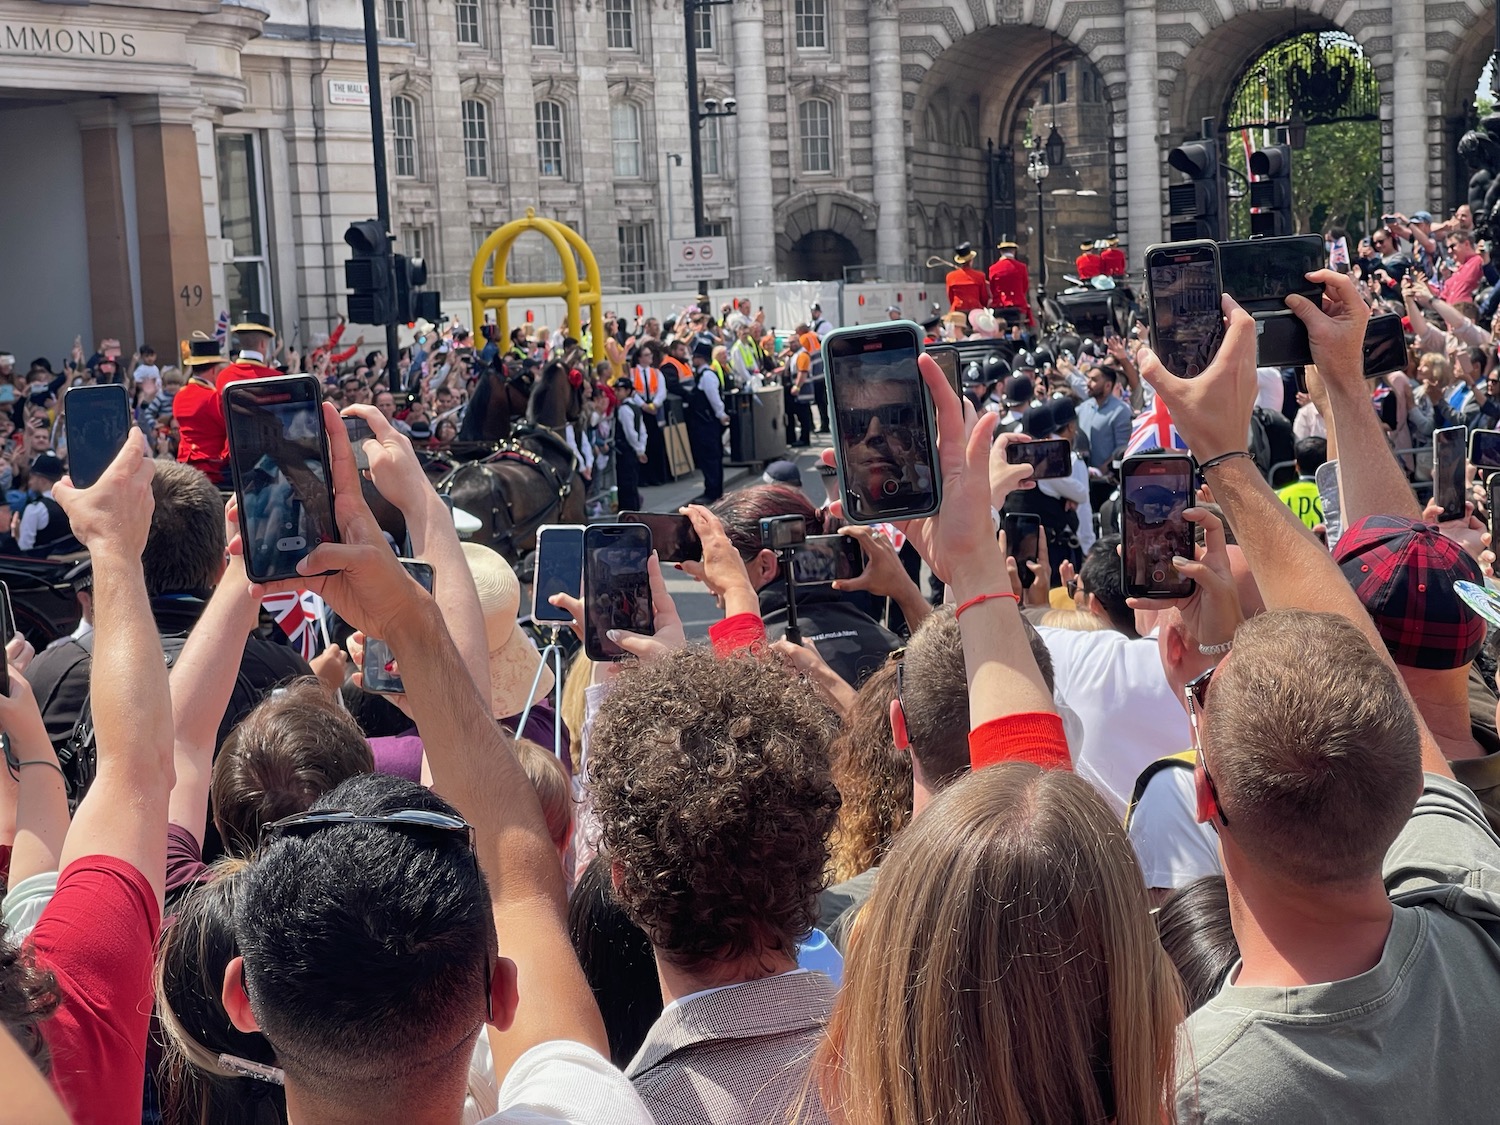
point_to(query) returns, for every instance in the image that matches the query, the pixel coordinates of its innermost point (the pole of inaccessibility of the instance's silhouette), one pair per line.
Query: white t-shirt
(1171, 846)
(566, 1083)
(1129, 712)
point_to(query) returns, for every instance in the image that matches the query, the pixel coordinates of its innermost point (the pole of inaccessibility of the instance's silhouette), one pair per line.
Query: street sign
(698, 259)
(341, 92)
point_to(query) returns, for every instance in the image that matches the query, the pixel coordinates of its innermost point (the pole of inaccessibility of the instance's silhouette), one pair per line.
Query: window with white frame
(625, 130)
(477, 236)
(636, 272)
(709, 142)
(466, 22)
(404, 134)
(703, 29)
(242, 221)
(544, 23)
(476, 125)
(416, 242)
(395, 19)
(812, 25)
(815, 134)
(549, 139)
(619, 24)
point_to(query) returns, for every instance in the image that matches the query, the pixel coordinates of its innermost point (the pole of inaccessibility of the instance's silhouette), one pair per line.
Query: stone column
(111, 284)
(1143, 158)
(595, 174)
(450, 252)
(889, 137)
(1409, 123)
(752, 130)
(169, 217)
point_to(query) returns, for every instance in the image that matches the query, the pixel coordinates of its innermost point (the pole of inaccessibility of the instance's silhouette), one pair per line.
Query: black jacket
(853, 644)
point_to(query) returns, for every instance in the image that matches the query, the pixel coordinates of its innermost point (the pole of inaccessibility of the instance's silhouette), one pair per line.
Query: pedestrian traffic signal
(1195, 207)
(1271, 191)
(367, 273)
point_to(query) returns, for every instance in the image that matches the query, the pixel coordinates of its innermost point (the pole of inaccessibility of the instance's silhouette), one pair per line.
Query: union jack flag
(221, 329)
(299, 614)
(1154, 432)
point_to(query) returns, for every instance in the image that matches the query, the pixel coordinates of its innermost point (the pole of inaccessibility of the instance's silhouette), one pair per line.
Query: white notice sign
(698, 259)
(341, 92)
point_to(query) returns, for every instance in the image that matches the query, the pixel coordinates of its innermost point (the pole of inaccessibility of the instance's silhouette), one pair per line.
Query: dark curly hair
(712, 787)
(874, 780)
(28, 996)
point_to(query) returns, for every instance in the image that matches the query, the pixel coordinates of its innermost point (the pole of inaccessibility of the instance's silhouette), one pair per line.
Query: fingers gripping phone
(1049, 459)
(359, 432)
(946, 357)
(278, 451)
(616, 587)
(1157, 491)
(1023, 534)
(559, 570)
(379, 666)
(884, 429)
(1448, 471)
(673, 537)
(1183, 293)
(827, 558)
(98, 422)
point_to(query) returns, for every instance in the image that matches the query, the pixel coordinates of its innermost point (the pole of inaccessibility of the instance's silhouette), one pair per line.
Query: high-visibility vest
(645, 383)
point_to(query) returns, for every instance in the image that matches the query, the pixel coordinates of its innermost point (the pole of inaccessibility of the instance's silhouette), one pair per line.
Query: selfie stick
(793, 630)
(555, 653)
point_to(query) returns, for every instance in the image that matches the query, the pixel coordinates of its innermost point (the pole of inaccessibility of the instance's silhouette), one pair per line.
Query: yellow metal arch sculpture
(577, 293)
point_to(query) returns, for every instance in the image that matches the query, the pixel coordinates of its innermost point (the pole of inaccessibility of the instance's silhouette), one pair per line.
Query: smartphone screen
(1493, 498)
(1187, 324)
(616, 586)
(827, 558)
(1448, 473)
(1051, 458)
(672, 536)
(359, 432)
(947, 359)
(884, 433)
(98, 422)
(1484, 450)
(1023, 534)
(379, 664)
(1385, 345)
(7, 631)
(1157, 491)
(1261, 273)
(559, 570)
(279, 454)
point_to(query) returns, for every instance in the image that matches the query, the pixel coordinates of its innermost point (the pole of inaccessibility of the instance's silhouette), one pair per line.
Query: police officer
(629, 443)
(706, 420)
(41, 528)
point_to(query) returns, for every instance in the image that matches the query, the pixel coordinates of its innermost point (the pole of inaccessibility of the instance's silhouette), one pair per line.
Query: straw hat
(513, 656)
(983, 322)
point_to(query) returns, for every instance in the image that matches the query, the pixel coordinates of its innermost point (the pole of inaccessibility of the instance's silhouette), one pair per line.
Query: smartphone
(379, 663)
(946, 357)
(1157, 490)
(98, 422)
(673, 536)
(1448, 465)
(1385, 345)
(359, 432)
(278, 451)
(1183, 292)
(559, 570)
(1050, 458)
(827, 558)
(884, 431)
(1260, 273)
(1484, 450)
(1023, 534)
(1492, 499)
(616, 586)
(7, 631)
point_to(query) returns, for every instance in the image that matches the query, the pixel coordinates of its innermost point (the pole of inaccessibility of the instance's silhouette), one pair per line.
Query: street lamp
(710, 107)
(1037, 168)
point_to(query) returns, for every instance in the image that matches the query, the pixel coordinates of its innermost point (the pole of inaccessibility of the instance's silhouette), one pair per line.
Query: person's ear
(236, 1000)
(898, 726)
(504, 995)
(1096, 607)
(768, 567)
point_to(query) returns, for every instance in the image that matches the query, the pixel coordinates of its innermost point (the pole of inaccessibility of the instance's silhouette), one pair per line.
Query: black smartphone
(884, 431)
(1156, 490)
(278, 451)
(7, 631)
(616, 587)
(1023, 534)
(1484, 450)
(1183, 294)
(672, 536)
(1261, 273)
(1385, 345)
(1448, 475)
(359, 432)
(379, 663)
(946, 357)
(1050, 458)
(1492, 498)
(827, 558)
(97, 422)
(559, 570)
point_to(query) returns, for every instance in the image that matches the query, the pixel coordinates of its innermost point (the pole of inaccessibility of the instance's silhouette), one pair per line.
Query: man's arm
(41, 797)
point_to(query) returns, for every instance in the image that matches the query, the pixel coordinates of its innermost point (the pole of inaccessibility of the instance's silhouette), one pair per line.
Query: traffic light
(1196, 207)
(1271, 190)
(412, 304)
(367, 273)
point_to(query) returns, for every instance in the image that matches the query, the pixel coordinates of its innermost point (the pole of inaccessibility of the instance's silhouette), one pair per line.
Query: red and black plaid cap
(1403, 572)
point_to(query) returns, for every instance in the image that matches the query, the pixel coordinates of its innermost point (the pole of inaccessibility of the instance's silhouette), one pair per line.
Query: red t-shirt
(98, 935)
(1035, 737)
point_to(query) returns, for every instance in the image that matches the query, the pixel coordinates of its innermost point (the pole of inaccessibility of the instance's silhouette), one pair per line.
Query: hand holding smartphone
(378, 666)
(616, 587)
(1157, 490)
(559, 570)
(946, 357)
(822, 559)
(1023, 534)
(1183, 299)
(1449, 472)
(97, 422)
(1049, 459)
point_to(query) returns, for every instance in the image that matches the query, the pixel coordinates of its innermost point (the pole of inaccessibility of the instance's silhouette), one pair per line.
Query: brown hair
(1005, 969)
(294, 747)
(28, 998)
(873, 779)
(1317, 766)
(575, 703)
(554, 792)
(743, 509)
(185, 546)
(711, 785)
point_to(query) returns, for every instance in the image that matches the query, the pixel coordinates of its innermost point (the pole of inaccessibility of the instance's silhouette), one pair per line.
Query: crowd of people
(1016, 849)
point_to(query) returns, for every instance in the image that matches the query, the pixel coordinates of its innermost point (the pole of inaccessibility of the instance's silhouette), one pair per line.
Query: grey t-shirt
(1410, 1040)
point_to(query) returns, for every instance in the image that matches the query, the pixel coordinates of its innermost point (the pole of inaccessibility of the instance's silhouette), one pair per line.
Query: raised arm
(41, 797)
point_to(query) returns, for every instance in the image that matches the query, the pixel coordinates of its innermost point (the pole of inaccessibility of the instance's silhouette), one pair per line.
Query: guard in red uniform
(1088, 264)
(1010, 282)
(211, 443)
(1112, 258)
(200, 418)
(967, 288)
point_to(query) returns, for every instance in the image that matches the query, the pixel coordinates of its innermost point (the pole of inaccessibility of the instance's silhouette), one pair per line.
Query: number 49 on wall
(191, 296)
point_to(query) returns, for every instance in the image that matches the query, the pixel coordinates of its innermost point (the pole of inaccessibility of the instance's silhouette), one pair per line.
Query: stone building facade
(174, 158)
